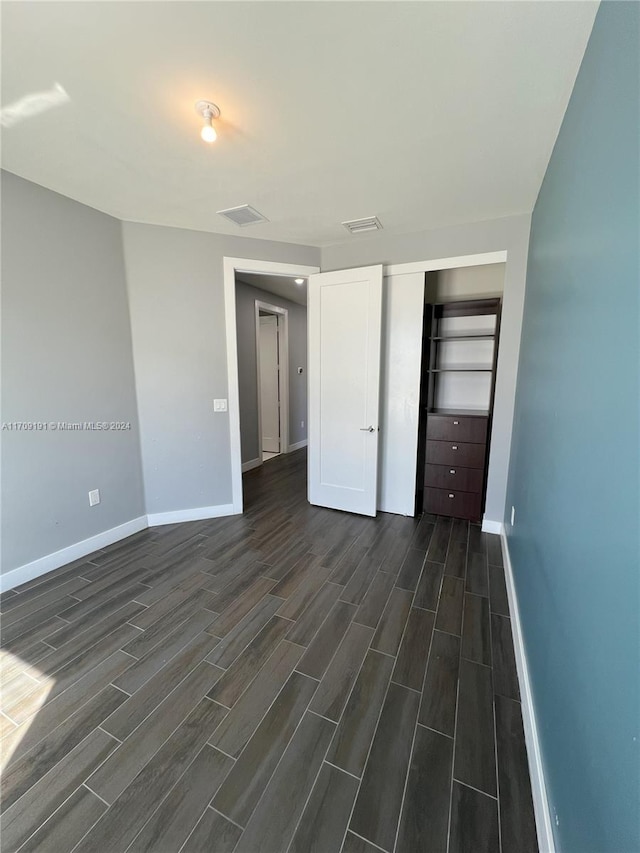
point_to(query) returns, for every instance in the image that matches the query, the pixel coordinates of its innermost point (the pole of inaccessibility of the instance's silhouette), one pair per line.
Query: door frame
(231, 266)
(283, 372)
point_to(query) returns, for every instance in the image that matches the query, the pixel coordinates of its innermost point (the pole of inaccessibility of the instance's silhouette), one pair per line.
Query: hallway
(292, 679)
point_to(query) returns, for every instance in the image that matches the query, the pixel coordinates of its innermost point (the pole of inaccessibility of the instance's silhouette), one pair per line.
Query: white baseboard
(536, 769)
(492, 526)
(297, 446)
(196, 514)
(29, 571)
(73, 552)
(251, 464)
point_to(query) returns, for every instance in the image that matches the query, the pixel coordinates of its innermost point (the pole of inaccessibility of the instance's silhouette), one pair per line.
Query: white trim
(447, 263)
(198, 513)
(297, 446)
(283, 380)
(29, 571)
(251, 464)
(233, 390)
(230, 267)
(492, 526)
(536, 769)
(241, 265)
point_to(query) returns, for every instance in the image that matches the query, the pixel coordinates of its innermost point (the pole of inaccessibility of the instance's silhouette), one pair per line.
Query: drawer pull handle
(455, 423)
(454, 447)
(452, 496)
(452, 470)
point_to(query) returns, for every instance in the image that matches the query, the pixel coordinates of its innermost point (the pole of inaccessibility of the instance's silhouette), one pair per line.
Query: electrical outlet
(513, 515)
(219, 405)
(302, 424)
(94, 497)
(299, 370)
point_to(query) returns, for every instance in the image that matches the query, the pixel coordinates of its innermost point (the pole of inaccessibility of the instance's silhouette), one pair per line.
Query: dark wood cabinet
(456, 504)
(455, 453)
(457, 428)
(460, 352)
(454, 478)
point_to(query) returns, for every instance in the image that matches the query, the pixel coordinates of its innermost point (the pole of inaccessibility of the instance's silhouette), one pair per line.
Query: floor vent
(243, 215)
(357, 226)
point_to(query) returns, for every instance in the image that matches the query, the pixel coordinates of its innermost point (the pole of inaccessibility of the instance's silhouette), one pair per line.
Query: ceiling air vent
(357, 226)
(243, 215)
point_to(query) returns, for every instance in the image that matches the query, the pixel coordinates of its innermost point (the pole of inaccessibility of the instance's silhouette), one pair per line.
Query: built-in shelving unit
(460, 351)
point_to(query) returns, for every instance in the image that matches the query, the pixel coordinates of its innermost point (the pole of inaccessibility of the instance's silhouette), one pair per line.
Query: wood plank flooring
(293, 679)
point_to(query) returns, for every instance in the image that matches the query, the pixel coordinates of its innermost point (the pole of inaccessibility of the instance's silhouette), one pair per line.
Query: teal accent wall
(575, 468)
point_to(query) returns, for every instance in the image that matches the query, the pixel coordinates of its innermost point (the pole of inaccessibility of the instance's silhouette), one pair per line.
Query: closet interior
(460, 353)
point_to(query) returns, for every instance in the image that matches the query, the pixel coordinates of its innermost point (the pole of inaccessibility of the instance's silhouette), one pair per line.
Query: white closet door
(269, 384)
(403, 310)
(344, 315)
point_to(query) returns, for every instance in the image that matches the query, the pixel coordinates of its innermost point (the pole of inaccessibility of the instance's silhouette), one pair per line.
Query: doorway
(268, 354)
(272, 374)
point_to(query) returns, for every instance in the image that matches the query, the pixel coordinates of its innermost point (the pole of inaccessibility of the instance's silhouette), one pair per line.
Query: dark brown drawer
(454, 478)
(454, 428)
(454, 503)
(455, 453)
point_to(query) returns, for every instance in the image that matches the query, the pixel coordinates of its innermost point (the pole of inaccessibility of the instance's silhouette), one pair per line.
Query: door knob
(367, 429)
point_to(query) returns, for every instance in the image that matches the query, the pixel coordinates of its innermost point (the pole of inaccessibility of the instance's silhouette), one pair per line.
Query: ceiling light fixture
(208, 111)
(299, 280)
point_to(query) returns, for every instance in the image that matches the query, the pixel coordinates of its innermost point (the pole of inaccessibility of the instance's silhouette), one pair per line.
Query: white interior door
(401, 361)
(269, 384)
(344, 316)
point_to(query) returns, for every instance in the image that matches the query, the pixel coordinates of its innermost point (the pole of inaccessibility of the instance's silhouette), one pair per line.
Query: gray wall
(66, 356)
(175, 280)
(246, 296)
(510, 234)
(575, 473)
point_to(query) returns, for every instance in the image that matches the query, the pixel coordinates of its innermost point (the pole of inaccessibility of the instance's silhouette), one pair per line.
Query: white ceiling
(423, 113)
(279, 285)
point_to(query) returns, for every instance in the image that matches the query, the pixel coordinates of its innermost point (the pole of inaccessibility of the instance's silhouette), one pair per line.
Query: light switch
(219, 405)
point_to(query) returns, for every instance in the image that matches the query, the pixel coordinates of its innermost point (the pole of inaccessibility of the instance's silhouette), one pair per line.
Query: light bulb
(209, 112)
(208, 133)
(299, 280)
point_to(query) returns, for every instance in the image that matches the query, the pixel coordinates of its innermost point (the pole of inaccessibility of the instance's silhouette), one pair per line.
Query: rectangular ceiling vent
(357, 226)
(243, 215)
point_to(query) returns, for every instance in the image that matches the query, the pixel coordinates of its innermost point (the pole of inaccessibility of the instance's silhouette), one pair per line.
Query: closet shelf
(482, 337)
(463, 413)
(461, 369)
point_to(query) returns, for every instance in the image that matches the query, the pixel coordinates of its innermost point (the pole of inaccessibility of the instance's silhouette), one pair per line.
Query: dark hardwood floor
(293, 679)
